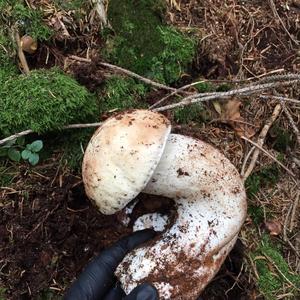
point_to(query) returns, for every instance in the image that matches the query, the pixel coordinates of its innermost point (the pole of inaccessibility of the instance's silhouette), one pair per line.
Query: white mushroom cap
(122, 156)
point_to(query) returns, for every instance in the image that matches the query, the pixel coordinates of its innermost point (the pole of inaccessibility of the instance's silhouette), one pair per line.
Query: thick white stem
(211, 207)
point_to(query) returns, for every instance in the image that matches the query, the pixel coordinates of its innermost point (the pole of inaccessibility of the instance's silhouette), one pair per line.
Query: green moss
(2, 293)
(70, 4)
(43, 101)
(29, 21)
(256, 213)
(273, 271)
(204, 87)
(73, 144)
(282, 138)
(122, 93)
(268, 176)
(184, 115)
(143, 44)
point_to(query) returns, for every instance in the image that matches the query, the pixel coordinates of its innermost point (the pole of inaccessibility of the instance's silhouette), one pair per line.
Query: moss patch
(143, 44)
(274, 273)
(282, 140)
(43, 101)
(122, 93)
(268, 176)
(29, 21)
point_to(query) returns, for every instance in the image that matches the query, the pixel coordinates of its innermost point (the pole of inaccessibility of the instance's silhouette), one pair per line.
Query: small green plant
(275, 276)
(30, 152)
(16, 150)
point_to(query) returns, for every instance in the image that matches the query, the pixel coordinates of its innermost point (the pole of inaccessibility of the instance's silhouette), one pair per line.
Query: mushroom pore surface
(211, 207)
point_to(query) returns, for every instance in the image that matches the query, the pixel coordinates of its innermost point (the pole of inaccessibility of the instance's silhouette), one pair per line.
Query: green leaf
(14, 154)
(36, 146)
(26, 154)
(3, 152)
(29, 147)
(33, 159)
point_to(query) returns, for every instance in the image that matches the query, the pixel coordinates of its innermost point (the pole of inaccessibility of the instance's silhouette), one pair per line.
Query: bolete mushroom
(134, 152)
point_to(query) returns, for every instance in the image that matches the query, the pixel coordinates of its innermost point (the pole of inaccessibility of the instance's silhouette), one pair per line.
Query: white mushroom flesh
(211, 207)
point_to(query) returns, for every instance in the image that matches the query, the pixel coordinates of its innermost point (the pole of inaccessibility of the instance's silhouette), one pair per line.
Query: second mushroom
(135, 152)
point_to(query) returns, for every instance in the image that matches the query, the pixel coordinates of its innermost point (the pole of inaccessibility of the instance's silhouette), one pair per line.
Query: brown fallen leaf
(232, 116)
(274, 227)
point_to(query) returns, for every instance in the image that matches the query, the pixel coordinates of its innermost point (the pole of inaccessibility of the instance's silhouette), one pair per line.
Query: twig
(127, 72)
(29, 131)
(293, 214)
(280, 272)
(280, 98)
(261, 140)
(276, 15)
(21, 55)
(174, 93)
(246, 160)
(270, 155)
(252, 89)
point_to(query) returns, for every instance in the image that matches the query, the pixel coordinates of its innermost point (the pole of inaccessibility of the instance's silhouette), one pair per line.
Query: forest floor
(48, 228)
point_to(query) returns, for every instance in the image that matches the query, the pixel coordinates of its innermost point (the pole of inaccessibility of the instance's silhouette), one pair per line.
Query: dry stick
(270, 155)
(276, 15)
(21, 53)
(282, 77)
(252, 89)
(261, 140)
(176, 92)
(127, 72)
(293, 214)
(26, 132)
(280, 98)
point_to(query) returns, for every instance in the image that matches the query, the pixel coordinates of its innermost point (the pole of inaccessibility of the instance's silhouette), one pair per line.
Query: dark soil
(49, 231)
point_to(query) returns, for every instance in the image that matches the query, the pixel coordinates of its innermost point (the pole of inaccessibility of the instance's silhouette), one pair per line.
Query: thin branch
(261, 140)
(270, 155)
(127, 72)
(252, 89)
(175, 92)
(280, 98)
(29, 131)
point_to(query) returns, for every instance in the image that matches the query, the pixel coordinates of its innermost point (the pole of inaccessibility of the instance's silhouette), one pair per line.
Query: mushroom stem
(211, 207)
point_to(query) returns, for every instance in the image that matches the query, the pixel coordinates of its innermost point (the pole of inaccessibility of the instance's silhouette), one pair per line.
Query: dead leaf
(232, 116)
(274, 227)
(217, 107)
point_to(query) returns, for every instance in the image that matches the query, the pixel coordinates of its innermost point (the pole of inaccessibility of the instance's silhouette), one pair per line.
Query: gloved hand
(97, 281)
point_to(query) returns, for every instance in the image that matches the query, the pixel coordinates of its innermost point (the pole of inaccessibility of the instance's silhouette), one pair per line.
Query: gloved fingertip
(116, 293)
(139, 237)
(144, 291)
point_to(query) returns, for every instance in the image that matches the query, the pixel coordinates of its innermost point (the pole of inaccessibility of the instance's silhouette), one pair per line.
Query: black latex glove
(98, 282)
